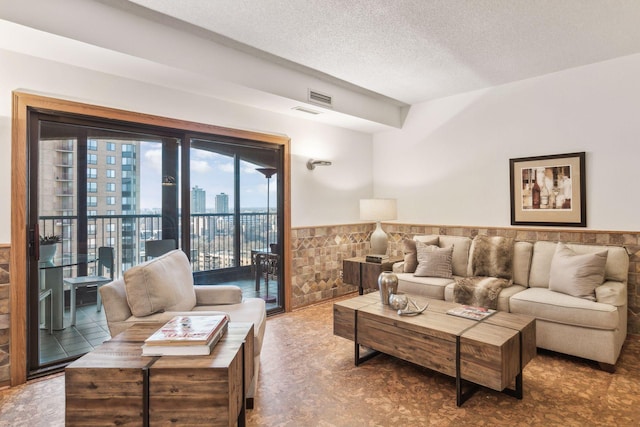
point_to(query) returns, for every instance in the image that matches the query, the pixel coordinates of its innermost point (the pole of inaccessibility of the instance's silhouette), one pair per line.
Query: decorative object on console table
(378, 210)
(377, 258)
(363, 274)
(388, 285)
(549, 190)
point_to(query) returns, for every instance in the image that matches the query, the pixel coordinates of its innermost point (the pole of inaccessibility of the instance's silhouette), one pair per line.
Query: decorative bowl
(398, 301)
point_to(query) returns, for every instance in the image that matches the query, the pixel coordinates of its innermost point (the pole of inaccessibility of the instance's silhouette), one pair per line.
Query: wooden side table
(144, 390)
(357, 271)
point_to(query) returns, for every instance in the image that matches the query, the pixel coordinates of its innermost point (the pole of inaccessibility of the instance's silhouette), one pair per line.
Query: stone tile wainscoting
(317, 254)
(5, 330)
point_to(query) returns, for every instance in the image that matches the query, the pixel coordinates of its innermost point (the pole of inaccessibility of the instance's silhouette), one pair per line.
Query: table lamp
(378, 210)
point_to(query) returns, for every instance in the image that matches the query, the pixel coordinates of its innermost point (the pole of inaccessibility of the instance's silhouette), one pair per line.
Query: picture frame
(549, 190)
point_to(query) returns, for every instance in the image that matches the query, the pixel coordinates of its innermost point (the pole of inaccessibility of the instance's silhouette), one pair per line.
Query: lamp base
(379, 241)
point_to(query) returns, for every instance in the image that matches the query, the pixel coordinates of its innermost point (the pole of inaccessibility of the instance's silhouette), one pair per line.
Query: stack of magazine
(186, 336)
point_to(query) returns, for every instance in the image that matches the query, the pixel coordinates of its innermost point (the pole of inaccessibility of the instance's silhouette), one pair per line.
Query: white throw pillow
(576, 275)
(434, 261)
(162, 284)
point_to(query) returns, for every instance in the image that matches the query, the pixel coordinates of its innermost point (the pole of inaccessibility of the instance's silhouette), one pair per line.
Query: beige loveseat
(591, 324)
(159, 289)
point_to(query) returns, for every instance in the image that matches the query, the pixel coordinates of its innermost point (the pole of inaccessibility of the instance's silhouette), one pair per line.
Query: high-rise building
(222, 203)
(112, 188)
(198, 200)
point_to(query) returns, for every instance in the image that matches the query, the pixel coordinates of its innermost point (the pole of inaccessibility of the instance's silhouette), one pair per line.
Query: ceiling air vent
(306, 110)
(320, 98)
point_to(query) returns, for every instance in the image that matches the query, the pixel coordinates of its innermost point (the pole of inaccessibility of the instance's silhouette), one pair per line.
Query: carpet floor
(308, 378)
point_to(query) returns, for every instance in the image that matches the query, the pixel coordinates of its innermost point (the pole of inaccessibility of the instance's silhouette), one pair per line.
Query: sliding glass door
(85, 192)
(235, 218)
(95, 183)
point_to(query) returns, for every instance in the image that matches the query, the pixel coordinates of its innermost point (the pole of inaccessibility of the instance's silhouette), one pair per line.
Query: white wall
(450, 163)
(325, 196)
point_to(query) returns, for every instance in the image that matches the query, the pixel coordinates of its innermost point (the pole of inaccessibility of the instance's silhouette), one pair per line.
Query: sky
(210, 171)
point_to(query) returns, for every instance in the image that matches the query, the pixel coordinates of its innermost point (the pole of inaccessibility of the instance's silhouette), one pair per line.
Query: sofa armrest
(614, 293)
(218, 294)
(398, 267)
(114, 301)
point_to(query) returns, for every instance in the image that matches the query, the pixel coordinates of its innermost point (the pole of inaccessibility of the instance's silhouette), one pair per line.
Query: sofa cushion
(430, 287)
(576, 275)
(162, 284)
(522, 252)
(556, 307)
(434, 261)
(491, 256)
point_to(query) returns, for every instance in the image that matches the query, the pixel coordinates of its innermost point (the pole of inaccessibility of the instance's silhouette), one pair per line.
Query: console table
(115, 385)
(358, 272)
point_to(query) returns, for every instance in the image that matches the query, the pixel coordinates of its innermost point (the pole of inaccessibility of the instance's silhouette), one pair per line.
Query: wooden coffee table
(490, 353)
(116, 385)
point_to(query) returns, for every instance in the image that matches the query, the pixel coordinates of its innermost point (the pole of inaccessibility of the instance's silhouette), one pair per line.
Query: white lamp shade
(378, 209)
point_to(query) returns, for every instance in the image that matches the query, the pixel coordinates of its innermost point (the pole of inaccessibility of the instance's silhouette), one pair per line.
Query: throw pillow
(434, 261)
(577, 275)
(410, 255)
(410, 252)
(492, 257)
(162, 284)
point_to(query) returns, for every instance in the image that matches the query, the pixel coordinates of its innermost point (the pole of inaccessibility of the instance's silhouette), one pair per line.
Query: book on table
(378, 259)
(471, 312)
(186, 336)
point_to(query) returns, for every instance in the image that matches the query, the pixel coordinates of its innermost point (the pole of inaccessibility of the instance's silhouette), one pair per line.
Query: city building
(198, 200)
(222, 203)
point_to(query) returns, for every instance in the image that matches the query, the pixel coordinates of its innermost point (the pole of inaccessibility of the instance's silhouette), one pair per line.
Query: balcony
(214, 250)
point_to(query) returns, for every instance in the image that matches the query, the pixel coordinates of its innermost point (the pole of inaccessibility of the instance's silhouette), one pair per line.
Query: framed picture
(548, 190)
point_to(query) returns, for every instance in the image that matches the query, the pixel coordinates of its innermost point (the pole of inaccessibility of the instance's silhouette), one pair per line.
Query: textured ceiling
(416, 50)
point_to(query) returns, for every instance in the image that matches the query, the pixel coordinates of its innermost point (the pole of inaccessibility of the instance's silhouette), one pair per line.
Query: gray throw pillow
(577, 275)
(434, 261)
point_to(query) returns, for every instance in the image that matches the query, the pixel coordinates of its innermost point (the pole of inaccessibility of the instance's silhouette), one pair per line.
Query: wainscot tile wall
(318, 252)
(5, 331)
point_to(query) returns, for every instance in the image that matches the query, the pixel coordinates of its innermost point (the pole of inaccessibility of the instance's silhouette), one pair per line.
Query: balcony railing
(213, 237)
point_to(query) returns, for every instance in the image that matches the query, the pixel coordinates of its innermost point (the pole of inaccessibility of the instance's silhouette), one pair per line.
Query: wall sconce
(311, 164)
(168, 180)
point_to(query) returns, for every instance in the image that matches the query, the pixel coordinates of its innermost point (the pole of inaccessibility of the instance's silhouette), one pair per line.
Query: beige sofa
(592, 327)
(159, 289)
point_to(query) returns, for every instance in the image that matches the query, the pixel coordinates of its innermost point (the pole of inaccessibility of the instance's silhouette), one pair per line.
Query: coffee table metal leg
(371, 353)
(461, 396)
(242, 417)
(517, 392)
